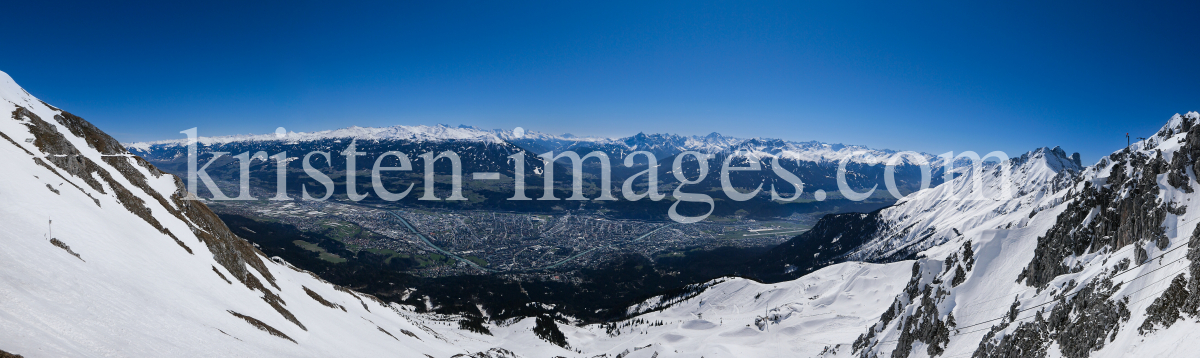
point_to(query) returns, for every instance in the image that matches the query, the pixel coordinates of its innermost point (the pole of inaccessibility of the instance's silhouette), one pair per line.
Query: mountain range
(814, 164)
(662, 145)
(105, 255)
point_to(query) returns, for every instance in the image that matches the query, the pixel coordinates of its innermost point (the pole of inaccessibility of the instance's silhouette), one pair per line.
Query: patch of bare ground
(410, 334)
(227, 334)
(42, 163)
(263, 326)
(4, 354)
(237, 255)
(499, 353)
(386, 332)
(274, 300)
(322, 300)
(221, 274)
(64, 155)
(352, 294)
(63, 245)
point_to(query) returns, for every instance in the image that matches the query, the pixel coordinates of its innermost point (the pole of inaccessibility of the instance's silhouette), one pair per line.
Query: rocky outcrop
(1182, 298)
(62, 154)
(917, 312)
(1079, 323)
(235, 254)
(1124, 210)
(262, 326)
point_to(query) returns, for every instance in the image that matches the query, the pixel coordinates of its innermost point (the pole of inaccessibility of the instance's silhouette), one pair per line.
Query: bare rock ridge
(232, 252)
(1123, 209)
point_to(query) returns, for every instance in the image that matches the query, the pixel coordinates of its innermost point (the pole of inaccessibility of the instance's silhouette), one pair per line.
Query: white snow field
(742, 318)
(131, 269)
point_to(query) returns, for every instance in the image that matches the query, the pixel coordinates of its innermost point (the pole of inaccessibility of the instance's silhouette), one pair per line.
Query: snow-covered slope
(102, 256)
(743, 318)
(984, 198)
(1069, 261)
(1080, 262)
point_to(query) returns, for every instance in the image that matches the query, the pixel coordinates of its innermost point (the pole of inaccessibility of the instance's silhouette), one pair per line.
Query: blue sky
(932, 77)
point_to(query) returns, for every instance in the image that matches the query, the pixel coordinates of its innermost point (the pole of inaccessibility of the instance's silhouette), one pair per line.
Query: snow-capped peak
(418, 133)
(11, 92)
(663, 144)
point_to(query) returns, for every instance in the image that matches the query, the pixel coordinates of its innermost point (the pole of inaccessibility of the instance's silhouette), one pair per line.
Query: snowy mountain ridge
(669, 144)
(412, 133)
(1080, 263)
(1098, 261)
(103, 255)
(937, 215)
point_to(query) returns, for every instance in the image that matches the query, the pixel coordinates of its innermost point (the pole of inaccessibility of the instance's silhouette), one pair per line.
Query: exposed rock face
(918, 312)
(66, 157)
(1182, 298)
(1124, 210)
(1080, 324)
(232, 252)
(1168, 308)
(263, 326)
(926, 324)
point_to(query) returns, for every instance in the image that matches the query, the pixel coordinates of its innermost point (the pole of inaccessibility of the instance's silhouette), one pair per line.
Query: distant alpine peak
(1179, 123)
(661, 143)
(439, 132)
(10, 91)
(1055, 159)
